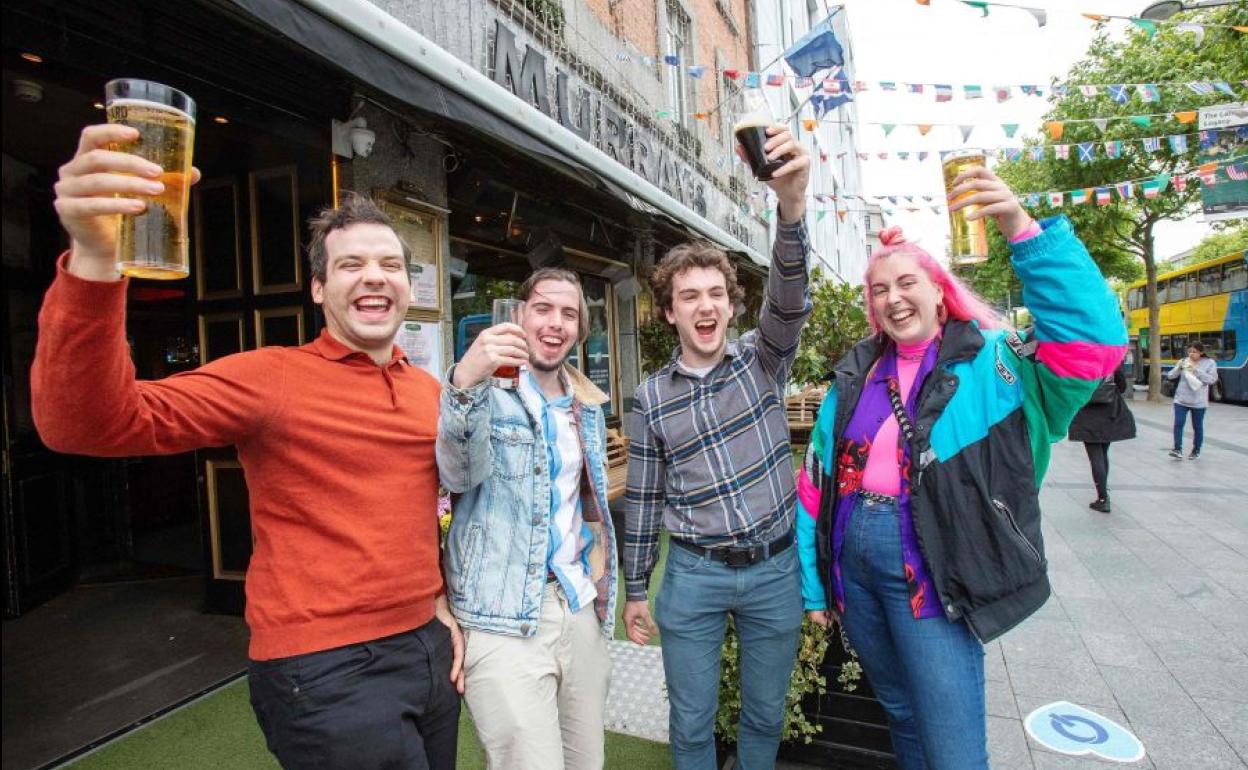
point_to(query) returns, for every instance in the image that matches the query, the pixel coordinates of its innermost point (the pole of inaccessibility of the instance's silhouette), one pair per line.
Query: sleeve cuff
(635, 589)
(463, 399)
(86, 297)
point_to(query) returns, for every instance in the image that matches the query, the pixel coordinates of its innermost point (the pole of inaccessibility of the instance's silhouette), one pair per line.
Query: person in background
(919, 517)
(1105, 419)
(1195, 373)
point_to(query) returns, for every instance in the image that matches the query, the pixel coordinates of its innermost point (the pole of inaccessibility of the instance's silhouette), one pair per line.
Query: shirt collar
(732, 349)
(332, 350)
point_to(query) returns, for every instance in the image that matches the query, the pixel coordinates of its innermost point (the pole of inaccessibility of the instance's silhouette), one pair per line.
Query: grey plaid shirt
(709, 457)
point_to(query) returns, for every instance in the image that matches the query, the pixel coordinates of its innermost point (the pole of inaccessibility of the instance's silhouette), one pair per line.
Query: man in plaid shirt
(709, 459)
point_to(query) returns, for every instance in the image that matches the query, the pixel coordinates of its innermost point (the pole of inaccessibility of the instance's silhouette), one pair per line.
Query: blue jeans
(1198, 426)
(765, 601)
(928, 674)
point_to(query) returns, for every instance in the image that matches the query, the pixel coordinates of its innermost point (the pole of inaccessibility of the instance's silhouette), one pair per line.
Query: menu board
(422, 342)
(419, 230)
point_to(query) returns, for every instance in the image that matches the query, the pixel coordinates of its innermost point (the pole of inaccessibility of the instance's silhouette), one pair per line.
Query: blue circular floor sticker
(1071, 729)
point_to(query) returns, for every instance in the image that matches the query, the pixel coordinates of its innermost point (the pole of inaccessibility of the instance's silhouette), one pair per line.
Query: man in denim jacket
(530, 557)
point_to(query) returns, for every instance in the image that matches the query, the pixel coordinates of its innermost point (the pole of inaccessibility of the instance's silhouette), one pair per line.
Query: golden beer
(968, 240)
(156, 243)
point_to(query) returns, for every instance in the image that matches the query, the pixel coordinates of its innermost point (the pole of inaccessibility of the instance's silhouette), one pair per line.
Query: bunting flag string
(1149, 26)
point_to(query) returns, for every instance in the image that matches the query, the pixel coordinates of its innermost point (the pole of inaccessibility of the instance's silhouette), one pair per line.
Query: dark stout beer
(753, 137)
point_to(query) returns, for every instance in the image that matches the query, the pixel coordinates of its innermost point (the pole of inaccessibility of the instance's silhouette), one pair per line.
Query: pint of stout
(156, 243)
(968, 240)
(753, 138)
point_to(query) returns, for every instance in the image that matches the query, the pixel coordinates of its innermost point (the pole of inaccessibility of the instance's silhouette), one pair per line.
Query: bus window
(1235, 277)
(1228, 345)
(1210, 281)
(1165, 346)
(1178, 288)
(1163, 289)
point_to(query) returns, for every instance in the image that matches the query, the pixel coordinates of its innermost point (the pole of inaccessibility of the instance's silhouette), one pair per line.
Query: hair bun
(891, 236)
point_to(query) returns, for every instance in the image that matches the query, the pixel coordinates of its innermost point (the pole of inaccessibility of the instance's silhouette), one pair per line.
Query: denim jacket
(492, 455)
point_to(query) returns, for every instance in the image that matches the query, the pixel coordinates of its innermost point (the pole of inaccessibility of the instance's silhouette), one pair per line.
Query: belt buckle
(741, 557)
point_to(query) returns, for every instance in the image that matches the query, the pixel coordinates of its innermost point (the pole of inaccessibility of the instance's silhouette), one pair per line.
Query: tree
(1219, 245)
(1121, 233)
(835, 324)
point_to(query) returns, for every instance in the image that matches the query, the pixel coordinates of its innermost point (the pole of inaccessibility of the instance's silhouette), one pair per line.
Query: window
(1135, 299)
(1228, 345)
(1210, 281)
(679, 44)
(1178, 288)
(1162, 288)
(1235, 276)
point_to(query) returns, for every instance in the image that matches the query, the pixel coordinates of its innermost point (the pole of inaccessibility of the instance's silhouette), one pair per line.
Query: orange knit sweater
(338, 454)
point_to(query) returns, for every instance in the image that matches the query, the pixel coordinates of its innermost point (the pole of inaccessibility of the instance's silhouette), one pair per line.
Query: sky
(948, 42)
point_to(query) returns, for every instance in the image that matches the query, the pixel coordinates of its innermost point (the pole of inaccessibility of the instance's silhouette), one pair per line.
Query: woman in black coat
(1105, 419)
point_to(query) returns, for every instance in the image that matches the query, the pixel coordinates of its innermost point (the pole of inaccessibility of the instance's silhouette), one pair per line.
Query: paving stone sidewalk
(1148, 623)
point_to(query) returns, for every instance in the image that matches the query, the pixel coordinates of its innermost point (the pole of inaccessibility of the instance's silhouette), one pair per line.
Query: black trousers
(388, 703)
(1098, 458)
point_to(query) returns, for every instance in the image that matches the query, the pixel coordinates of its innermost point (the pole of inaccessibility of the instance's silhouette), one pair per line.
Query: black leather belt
(741, 556)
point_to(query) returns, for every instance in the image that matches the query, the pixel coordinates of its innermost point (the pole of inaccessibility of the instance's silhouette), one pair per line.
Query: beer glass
(968, 240)
(754, 116)
(156, 243)
(507, 311)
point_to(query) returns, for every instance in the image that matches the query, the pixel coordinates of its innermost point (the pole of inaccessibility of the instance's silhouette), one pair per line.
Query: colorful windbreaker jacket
(984, 422)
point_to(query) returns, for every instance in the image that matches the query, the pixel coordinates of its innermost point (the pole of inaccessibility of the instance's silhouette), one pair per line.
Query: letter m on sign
(526, 79)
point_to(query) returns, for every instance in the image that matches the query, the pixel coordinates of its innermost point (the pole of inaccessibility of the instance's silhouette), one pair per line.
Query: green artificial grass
(656, 579)
(220, 731)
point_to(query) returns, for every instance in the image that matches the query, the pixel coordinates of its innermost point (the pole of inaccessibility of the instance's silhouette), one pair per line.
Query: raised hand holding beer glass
(983, 190)
(498, 352)
(97, 187)
(791, 177)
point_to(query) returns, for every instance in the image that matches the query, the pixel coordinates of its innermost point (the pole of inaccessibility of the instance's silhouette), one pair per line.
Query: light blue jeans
(765, 601)
(927, 674)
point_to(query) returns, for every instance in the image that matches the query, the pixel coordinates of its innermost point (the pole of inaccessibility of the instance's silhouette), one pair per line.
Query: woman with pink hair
(918, 519)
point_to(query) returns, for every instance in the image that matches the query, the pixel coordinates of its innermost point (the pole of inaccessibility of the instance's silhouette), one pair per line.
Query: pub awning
(373, 47)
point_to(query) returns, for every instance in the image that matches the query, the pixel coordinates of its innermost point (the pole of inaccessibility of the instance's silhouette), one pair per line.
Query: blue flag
(818, 49)
(826, 102)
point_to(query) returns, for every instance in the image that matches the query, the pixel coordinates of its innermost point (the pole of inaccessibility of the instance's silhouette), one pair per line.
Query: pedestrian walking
(1195, 373)
(1104, 420)
(919, 515)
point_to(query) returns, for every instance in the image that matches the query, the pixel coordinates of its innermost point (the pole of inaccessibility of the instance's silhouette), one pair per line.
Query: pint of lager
(156, 243)
(968, 241)
(753, 118)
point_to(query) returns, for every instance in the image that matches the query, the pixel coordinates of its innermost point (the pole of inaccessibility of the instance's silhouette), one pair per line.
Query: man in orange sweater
(355, 658)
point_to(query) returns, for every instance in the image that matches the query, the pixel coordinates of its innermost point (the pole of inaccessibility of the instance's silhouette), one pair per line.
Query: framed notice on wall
(420, 227)
(422, 342)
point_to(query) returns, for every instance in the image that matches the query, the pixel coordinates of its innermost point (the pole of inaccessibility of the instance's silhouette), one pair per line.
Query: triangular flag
(775, 80)
(924, 128)
(1150, 189)
(1148, 92)
(976, 4)
(1125, 190)
(1094, 16)
(1178, 144)
(840, 213)
(732, 74)
(700, 116)
(1010, 129)
(864, 156)
(1144, 121)
(672, 59)
(888, 128)
(944, 93)
(1162, 180)
(860, 85)
(1179, 182)
(1196, 29)
(882, 155)
(696, 71)
(1148, 26)
(1152, 143)
(1113, 149)
(1101, 124)
(966, 132)
(1042, 17)
(1078, 197)
(1059, 91)
(752, 80)
(1187, 116)
(1201, 87)
(1089, 91)
(1003, 93)
(809, 123)
(1036, 153)
(1055, 129)
(1224, 87)
(822, 213)
(1119, 93)
(915, 88)
(1055, 198)
(888, 85)
(1102, 196)
(801, 82)
(818, 49)
(923, 155)
(904, 155)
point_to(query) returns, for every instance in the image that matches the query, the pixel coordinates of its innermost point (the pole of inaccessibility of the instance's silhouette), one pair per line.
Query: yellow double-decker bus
(1206, 303)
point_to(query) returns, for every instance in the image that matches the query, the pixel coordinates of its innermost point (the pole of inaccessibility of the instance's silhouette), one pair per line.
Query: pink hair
(959, 301)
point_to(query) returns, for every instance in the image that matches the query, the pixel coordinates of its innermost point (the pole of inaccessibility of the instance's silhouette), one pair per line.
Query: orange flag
(809, 123)
(699, 116)
(924, 128)
(1094, 16)
(1055, 128)
(1240, 29)
(1186, 117)
(840, 213)
(1207, 168)
(920, 2)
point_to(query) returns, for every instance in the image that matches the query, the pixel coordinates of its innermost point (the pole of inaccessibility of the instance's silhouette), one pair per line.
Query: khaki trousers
(538, 702)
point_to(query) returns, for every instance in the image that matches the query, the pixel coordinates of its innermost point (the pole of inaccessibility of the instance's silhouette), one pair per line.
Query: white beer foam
(151, 105)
